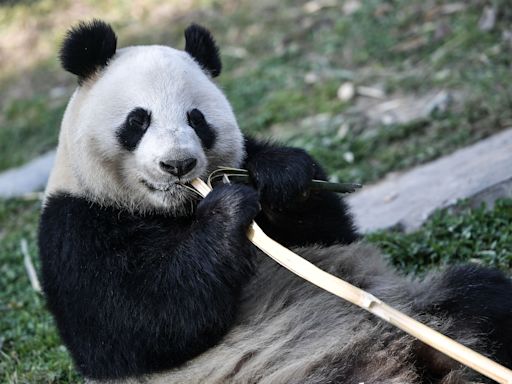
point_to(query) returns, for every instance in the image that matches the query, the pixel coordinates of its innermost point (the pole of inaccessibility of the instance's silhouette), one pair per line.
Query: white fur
(168, 83)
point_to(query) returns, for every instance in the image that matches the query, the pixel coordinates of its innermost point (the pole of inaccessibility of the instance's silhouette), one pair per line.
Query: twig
(367, 301)
(29, 266)
(242, 176)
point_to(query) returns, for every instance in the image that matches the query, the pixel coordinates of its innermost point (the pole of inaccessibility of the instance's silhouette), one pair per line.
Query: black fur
(132, 294)
(200, 44)
(477, 298)
(87, 48)
(293, 214)
(134, 127)
(203, 130)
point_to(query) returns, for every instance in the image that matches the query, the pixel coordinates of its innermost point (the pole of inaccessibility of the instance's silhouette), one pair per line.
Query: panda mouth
(159, 188)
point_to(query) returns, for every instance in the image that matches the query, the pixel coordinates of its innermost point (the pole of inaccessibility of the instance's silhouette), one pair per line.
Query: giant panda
(148, 283)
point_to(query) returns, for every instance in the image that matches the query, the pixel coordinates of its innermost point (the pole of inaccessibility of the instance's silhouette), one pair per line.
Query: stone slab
(28, 178)
(482, 171)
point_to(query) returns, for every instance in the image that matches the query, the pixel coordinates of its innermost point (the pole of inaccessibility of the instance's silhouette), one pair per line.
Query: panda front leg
(292, 213)
(476, 304)
(166, 296)
(206, 273)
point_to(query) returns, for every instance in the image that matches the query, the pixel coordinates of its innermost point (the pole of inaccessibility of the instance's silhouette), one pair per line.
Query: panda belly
(289, 331)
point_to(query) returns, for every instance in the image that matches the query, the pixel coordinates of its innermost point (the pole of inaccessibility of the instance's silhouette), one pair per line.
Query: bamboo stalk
(367, 301)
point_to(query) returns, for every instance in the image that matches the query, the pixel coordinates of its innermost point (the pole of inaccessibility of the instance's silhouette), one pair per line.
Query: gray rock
(27, 178)
(402, 109)
(481, 172)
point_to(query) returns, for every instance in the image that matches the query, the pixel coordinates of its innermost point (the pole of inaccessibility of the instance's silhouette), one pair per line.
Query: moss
(467, 234)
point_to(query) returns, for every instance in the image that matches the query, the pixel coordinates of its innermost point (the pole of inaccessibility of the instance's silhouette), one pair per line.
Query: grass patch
(30, 349)
(470, 235)
(32, 129)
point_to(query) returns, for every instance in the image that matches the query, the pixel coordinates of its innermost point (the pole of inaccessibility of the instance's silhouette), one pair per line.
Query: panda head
(144, 120)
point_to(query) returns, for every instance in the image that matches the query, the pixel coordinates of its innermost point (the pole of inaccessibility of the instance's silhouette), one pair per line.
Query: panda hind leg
(476, 303)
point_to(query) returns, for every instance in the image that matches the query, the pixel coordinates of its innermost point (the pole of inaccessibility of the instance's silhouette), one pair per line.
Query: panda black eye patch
(135, 125)
(203, 130)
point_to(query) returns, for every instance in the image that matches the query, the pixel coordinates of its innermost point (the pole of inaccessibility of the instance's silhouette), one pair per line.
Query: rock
(372, 92)
(481, 172)
(351, 6)
(438, 103)
(236, 52)
(343, 130)
(448, 9)
(27, 178)
(316, 5)
(507, 37)
(348, 157)
(346, 91)
(319, 123)
(488, 19)
(402, 109)
(311, 78)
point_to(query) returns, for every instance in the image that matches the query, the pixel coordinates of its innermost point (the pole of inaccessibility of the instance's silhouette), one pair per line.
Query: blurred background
(371, 88)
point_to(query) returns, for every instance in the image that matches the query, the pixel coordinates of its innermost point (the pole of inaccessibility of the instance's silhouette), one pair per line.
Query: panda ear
(200, 44)
(87, 48)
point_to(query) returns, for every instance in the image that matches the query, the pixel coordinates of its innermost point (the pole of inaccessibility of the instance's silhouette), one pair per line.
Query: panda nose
(178, 168)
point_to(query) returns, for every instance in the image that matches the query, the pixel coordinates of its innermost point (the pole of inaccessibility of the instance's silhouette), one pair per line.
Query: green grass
(32, 129)
(469, 235)
(30, 349)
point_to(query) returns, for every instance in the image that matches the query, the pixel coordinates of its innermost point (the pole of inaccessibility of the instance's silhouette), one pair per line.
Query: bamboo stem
(367, 301)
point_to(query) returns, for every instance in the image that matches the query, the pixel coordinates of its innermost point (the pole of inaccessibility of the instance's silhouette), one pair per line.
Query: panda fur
(149, 284)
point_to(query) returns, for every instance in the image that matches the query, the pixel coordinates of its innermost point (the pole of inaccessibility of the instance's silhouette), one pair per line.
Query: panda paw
(282, 176)
(235, 205)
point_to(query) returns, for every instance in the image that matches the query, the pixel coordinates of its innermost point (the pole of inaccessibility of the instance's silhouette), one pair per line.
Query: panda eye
(195, 118)
(133, 128)
(133, 121)
(139, 118)
(204, 131)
